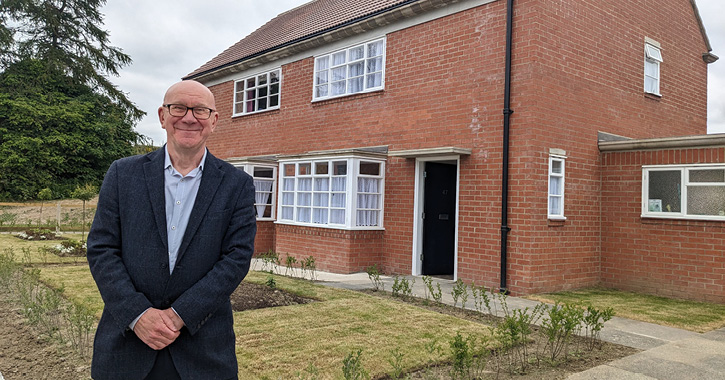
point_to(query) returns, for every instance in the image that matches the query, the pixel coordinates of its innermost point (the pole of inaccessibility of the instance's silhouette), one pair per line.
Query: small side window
(556, 187)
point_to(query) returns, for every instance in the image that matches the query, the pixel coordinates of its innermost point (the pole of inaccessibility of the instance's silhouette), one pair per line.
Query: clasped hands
(158, 328)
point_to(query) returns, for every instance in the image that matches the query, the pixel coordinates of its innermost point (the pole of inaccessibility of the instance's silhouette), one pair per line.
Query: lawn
(282, 342)
(683, 314)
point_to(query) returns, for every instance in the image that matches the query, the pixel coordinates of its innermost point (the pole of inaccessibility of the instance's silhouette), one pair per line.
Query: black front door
(439, 219)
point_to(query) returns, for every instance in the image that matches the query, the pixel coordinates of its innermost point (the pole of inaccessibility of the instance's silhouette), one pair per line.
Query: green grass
(281, 342)
(683, 314)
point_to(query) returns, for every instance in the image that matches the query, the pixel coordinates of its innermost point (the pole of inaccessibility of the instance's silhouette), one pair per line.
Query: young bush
(563, 321)
(352, 367)
(402, 287)
(374, 276)
(308, 265)
(291, 263)
(468, 356)
(460, 291)
(594, 320)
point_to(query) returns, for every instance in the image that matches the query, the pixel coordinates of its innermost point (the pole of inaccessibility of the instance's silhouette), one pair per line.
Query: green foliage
(562, 323)
(402, 287)
(308, 265)
(469, 357)
(55, 134)
(270, 259)
(460, 291)
(290, 262)
(374, 276)
(67, 37)
(594, 320)
(270, 282)
(396, 362)
(352, 367)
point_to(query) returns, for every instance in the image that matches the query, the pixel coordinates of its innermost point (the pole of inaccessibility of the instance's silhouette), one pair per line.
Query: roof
(299, 23)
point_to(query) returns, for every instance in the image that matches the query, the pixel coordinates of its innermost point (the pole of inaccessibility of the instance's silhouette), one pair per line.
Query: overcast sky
(168, 39)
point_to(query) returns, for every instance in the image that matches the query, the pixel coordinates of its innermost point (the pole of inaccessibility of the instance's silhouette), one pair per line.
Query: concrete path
(668, 353)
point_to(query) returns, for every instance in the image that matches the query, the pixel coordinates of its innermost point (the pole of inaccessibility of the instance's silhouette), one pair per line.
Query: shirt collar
(167, 159)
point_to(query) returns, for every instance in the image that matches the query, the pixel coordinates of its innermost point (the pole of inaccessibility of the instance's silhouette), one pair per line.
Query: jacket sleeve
(105, 257)
(198, 303)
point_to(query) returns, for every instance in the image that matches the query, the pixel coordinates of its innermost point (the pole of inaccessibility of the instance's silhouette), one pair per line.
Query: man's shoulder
(140, 159)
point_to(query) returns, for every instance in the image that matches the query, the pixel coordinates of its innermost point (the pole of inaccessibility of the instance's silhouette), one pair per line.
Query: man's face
(188, 132)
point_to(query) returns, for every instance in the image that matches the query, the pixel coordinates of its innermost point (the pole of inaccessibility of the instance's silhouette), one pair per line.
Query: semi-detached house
(529, 145)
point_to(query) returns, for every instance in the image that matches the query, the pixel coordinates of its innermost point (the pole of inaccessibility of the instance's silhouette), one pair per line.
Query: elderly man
(172, 238)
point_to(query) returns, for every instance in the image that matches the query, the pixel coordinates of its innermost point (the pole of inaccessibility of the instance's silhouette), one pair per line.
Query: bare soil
(26, 355)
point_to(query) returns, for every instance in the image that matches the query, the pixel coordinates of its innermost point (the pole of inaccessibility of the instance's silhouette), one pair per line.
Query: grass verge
(683, 314)
(31, 252)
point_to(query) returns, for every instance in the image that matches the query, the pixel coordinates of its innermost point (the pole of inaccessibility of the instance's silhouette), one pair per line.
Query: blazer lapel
(154, 173)
(211, 177)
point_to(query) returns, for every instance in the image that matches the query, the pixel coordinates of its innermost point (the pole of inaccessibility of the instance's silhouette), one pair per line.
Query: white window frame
(307, 205)
(242, 95)
(559, 193)
(656, 209)
(249, 168)
(652, 61)
(323, 78)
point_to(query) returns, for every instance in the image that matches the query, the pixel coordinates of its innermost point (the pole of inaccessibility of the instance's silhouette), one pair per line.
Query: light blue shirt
(180, 194)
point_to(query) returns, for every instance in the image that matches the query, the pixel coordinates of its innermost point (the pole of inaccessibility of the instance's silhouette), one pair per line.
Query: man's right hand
(156, 329)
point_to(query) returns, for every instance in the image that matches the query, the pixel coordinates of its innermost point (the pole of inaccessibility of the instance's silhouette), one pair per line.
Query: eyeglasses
(180, 110)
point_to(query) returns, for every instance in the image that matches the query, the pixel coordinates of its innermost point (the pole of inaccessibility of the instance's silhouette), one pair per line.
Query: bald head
(190, 88)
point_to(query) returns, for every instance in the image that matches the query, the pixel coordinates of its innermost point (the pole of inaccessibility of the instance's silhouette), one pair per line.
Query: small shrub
(460, 291)
(563, 321)
(437, 294)
(468, 356)
(308, 265)
(594, 320)
(402, 287)
(291, 263)
(271, 283)
(396, 361)
(270, 259)
(374, 276)
(352, 367)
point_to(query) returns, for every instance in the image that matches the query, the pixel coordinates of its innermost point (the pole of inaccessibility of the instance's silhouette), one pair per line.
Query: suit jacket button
(163, 265)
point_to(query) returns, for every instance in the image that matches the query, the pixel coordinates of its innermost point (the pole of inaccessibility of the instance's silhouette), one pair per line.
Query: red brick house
(461, 138)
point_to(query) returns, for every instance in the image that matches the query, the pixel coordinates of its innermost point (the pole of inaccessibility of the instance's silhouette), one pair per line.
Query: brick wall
(577, 69)
(667, 257)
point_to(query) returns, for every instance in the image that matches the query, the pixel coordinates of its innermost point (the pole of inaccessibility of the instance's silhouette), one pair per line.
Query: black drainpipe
(507, 111)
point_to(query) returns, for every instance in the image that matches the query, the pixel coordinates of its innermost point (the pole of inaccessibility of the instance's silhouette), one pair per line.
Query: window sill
(337, 227)
(357, 95)
(556, 221)
(653, 96)
(710, 218)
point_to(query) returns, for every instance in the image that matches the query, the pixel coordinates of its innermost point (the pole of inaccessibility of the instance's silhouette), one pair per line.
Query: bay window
(337, 192)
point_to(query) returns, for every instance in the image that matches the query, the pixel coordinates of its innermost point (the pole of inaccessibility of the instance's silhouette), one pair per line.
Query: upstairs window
(345, 193)
(652, 60)
(357, 69)
(556, 187)
(684, 192)
(257, 93)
